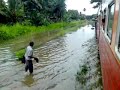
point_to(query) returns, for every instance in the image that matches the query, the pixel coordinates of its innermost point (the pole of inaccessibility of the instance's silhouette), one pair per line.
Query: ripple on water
(59, 62)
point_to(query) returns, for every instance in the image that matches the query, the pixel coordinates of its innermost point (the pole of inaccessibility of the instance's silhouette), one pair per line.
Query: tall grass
(11, 32)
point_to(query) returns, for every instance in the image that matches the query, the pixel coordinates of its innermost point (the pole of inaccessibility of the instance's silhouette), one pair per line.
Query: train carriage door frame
(117, 42)
(110, 21)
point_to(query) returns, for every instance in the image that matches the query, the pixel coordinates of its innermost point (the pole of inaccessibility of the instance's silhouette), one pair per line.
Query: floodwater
(59, 61)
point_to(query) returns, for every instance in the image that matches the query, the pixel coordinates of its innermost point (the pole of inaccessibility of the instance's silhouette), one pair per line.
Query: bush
(20, 53)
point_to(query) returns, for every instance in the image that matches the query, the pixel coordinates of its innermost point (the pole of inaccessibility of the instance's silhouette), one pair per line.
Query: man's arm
(36, 59)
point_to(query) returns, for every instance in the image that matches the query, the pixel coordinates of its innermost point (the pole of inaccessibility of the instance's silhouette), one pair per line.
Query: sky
(80, 5)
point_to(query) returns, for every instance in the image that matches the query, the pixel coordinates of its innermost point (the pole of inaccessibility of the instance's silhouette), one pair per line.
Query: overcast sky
(80, 5)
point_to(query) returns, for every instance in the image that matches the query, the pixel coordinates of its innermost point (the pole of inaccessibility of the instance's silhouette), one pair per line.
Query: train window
(110, 21)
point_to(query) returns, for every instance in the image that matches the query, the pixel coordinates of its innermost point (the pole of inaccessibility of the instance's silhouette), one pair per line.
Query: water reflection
(28, 80)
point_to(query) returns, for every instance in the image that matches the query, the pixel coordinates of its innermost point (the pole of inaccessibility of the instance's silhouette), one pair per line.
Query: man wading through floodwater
(29, 57)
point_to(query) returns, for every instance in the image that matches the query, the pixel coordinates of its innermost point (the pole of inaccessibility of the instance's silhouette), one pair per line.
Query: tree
(2, 5)
(34, 12)
(59, 9)
(95, 1)
(74, 14)
(3, 10)
(15, 10)
(99, 2)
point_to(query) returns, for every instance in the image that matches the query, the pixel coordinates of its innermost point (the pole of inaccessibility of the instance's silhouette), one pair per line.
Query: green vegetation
(81, 75)
(11, 32)
(20, 53)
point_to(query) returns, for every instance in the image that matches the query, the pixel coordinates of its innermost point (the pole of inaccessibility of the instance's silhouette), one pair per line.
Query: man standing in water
(28, 58)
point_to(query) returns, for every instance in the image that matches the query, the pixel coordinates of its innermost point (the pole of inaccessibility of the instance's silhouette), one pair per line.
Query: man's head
(31, 44)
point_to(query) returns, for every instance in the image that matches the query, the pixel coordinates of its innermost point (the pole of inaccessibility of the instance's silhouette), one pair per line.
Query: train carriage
(108, 36)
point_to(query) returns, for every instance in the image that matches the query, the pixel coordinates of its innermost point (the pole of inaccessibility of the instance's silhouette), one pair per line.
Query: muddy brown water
(59, 62)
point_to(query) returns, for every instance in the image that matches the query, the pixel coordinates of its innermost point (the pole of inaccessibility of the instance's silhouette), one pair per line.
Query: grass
(19, 36)
(11, 32)
(81, 75)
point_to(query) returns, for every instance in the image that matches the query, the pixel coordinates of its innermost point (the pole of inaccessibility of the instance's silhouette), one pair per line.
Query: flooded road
(59, 62)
